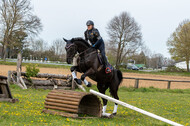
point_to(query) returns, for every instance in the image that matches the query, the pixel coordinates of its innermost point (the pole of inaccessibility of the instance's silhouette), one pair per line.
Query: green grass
(171, 104)
(40, 65)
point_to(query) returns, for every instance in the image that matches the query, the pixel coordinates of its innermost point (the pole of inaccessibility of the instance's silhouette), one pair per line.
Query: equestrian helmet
(89, 22)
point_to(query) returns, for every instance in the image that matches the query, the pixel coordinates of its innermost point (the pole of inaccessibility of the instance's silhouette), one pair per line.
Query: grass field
(171, 104)
(40, 65)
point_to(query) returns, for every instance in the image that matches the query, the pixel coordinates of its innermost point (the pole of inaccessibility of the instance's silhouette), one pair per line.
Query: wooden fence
(136, 85)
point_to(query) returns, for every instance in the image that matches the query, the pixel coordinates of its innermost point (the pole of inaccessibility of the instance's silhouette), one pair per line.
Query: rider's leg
(105, 61)
(87, 73)
(102, 51)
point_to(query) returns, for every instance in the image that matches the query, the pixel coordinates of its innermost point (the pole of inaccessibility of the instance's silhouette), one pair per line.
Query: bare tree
(146, 50)
(17, 23)
(156, 60)
(59, 46)
(125, 35)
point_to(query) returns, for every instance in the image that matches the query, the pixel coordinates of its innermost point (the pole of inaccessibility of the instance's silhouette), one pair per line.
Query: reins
(81, 52)
(86, 51)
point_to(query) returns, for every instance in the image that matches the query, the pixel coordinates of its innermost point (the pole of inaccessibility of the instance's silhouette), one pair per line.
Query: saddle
(101, 60)
(82, 62)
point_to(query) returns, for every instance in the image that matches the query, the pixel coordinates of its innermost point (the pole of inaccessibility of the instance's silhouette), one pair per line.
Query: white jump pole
(135, 108)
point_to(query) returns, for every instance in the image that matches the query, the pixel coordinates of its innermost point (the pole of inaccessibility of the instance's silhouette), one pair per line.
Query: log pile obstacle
(134, 108)
(69, 103)
(46, 81)
(5, 92)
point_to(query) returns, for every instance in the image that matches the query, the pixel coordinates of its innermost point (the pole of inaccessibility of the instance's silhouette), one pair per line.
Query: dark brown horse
(89, 63)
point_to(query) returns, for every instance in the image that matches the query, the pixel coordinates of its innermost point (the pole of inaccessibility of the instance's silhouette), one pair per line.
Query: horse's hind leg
(102, 89)
(113, 91)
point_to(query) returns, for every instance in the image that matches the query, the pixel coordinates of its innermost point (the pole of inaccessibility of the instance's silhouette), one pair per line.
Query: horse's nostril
(67, 60)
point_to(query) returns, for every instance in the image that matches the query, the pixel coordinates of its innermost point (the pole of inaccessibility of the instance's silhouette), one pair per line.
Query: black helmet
(89, 22)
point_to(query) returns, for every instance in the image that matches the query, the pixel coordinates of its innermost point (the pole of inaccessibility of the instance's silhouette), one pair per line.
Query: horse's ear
(65, 40)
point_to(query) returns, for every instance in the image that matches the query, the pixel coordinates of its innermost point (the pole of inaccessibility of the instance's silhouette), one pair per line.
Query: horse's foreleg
(88, 84)
(73, 68)
(87, 73)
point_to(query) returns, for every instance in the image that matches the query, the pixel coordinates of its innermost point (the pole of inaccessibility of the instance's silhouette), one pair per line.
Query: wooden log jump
(5, 92)
(71, 103)
(135, 108)
(46, 75)
(49, 81)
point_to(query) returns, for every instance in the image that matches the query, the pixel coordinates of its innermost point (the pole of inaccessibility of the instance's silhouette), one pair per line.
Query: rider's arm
(99, 38)
(85, 35)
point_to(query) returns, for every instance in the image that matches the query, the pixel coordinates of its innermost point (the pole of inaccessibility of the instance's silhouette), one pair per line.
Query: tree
(59, 46)
(156, 61)
(38, 47)
(125, 34)
(179, 43)
(139, 58)
(17, 23)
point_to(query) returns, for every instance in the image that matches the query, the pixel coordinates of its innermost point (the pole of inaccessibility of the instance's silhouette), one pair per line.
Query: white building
(181, 65)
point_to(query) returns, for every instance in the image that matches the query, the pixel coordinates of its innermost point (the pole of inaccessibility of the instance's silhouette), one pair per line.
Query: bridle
(68, 47)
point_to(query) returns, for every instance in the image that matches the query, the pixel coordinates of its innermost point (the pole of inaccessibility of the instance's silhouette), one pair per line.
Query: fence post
(19, 67)
(136, 83)
(169, 84)
(9, 77)
(73, 87)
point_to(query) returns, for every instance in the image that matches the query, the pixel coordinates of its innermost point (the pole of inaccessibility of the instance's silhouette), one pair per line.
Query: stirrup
(108, 70)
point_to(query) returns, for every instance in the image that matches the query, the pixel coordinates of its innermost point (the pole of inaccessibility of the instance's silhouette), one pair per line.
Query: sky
(67, 18)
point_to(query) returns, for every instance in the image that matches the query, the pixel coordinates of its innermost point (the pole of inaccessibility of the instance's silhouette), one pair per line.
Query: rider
(92, 34)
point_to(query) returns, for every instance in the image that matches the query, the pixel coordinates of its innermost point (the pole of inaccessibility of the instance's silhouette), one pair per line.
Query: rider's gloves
(93, 46)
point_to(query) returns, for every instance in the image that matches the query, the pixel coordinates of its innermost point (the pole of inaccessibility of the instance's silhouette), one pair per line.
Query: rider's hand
(94, 46)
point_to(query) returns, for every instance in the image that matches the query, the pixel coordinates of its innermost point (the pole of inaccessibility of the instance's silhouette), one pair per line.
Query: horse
(89, 63)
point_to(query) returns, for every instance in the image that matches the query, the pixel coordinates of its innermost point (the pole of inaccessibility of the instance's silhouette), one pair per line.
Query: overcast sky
(67, 18)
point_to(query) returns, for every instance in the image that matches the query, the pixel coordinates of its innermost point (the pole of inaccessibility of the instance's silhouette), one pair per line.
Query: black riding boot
(105, 62)
(106, 65)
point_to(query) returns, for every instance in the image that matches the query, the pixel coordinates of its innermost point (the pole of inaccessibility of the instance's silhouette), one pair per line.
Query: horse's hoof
(106, 115)
(89, 84)
(78, 81)
(112, 115)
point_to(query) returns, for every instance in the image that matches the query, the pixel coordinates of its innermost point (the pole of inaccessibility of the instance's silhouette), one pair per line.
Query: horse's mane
(82, 41)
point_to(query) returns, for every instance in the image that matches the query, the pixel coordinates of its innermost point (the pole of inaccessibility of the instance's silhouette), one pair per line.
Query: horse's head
(71, 50)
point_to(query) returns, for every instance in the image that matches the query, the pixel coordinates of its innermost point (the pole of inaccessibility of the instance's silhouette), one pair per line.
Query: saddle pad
(100, 58)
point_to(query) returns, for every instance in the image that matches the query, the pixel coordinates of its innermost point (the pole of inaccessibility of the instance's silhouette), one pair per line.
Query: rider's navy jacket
(93, 36)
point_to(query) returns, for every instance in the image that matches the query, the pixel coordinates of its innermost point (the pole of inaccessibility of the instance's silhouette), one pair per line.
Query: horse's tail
(120, 76)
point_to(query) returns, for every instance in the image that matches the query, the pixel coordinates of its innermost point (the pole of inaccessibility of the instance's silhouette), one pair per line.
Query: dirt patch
(128, 83)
